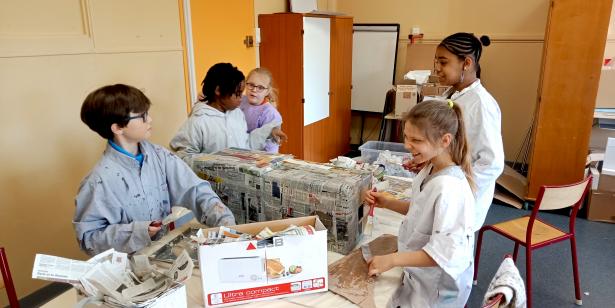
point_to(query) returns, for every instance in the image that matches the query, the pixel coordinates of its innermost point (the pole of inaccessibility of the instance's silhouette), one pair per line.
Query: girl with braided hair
(456, 63)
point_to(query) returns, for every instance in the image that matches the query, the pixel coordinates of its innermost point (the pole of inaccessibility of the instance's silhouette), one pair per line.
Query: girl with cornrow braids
(456, 63)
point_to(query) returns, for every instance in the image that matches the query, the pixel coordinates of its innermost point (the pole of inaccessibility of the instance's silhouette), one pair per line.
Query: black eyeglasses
(257, 88)
(143, 116)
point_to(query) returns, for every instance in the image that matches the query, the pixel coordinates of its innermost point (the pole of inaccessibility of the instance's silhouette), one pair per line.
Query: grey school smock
(118, 199)
(440, 222)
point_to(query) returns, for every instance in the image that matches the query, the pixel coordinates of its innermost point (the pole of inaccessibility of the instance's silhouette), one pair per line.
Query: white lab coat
(440, 222)
(483, 121)
(209, 130)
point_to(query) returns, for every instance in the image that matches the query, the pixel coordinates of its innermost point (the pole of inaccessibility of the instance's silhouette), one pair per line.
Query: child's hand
(154, 227)
(377, 199)
(414, 166)
(379, 264)
(278, 135)
(200, 96)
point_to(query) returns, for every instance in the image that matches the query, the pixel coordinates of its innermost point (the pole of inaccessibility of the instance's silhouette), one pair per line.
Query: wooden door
(218, 29)
(574, 46)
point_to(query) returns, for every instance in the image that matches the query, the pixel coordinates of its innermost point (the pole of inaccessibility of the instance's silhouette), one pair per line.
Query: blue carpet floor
(552, 280)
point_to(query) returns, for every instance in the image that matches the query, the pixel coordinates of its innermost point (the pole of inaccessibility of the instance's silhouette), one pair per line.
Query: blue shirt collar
(138, 157)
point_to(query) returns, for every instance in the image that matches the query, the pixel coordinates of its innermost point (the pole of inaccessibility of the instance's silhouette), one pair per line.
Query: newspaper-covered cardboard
(298, 189)
(288, 188)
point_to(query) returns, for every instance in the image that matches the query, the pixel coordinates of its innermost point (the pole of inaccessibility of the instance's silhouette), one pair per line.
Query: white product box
(240, 272)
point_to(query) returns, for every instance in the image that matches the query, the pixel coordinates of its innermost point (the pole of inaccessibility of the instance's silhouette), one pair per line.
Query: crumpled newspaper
(393, 164)
(225, 234)
(113, 279)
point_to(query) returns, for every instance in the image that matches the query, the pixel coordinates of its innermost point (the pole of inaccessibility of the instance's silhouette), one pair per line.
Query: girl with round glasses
(258, 104)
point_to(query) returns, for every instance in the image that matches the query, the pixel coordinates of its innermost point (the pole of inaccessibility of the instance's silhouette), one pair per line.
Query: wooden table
(385, 222)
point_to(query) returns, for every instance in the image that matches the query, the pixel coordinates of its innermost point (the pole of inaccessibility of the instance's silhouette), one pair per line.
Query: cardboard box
(333, 194)
(241, 272)
(433, 89)
(288, 188)
(607, 176)
(606, 183)
(236, 175)
(602, 206)
(406, 96)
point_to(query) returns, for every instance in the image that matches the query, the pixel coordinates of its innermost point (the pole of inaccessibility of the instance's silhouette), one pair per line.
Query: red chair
(494, 302)
(7, 281)
(534, 233)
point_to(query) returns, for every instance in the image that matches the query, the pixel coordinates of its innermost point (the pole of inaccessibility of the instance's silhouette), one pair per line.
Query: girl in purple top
(258, 104)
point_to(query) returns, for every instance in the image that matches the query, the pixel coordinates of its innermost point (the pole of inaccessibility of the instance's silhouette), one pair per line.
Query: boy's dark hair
(464, 45)
(112, 105)
(226, 77)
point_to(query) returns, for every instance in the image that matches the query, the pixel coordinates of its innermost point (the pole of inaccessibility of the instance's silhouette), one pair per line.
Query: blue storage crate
(371, 149)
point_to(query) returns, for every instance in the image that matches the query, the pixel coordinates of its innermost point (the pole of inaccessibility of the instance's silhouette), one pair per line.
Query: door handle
(249, 41)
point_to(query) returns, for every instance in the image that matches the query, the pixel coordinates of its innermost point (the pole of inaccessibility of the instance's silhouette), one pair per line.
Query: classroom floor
(552, 281)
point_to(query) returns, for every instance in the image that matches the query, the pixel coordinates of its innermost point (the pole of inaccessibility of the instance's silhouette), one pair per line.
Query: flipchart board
(374, 55)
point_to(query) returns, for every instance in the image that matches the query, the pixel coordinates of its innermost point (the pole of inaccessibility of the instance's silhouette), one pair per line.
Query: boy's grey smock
(118, 199)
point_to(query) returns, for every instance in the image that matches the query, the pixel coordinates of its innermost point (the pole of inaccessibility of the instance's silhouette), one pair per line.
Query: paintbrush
(369, 226)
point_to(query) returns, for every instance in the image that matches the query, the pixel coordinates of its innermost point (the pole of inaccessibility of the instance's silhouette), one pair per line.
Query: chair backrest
(552, 197)
(559, 197)
(389, 102)
(7, 280)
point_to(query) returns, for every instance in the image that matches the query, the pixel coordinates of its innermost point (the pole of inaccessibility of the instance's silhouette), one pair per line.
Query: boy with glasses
(131, 189)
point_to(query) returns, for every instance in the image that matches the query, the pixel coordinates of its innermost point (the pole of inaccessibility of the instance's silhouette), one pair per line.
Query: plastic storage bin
(371, 149)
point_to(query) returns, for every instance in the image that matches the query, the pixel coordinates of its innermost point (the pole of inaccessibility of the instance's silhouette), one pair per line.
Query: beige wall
(606, 88)
(609, 51)
(511, 65)
(51, 55)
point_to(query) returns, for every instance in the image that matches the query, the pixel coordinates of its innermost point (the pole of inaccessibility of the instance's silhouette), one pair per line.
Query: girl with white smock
(457, 65)
(436, 237)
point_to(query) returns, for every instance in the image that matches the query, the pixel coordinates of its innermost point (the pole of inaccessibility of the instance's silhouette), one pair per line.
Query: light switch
(257, 36)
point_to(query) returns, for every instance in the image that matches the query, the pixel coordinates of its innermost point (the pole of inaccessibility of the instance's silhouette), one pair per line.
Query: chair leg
(8, 280)
(477, 255)
(516, 252)
(528, 274)
(575, 271)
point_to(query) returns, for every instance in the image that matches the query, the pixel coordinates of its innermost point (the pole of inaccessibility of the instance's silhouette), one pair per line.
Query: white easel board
(374, 55)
